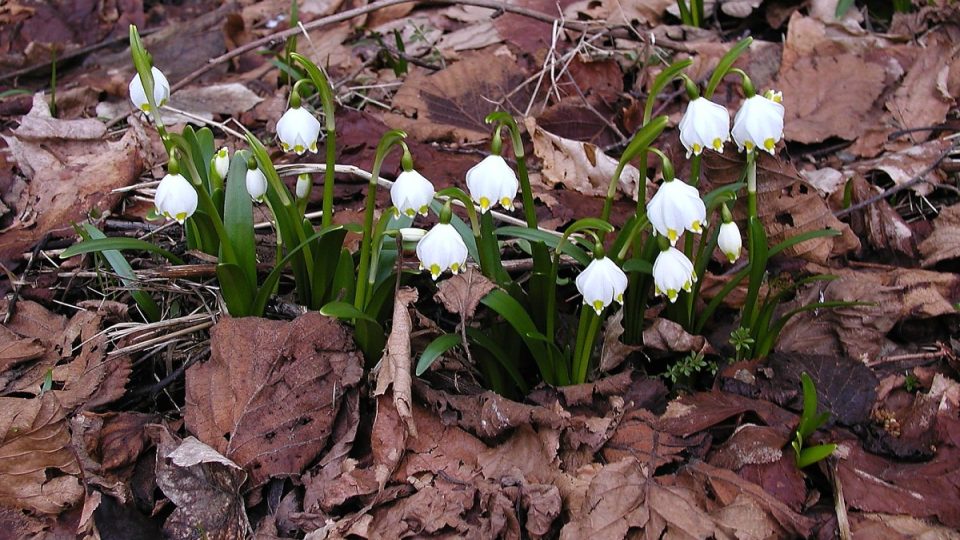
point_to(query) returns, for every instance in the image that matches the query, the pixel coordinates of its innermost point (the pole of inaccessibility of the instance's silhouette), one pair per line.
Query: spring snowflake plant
(662, 249)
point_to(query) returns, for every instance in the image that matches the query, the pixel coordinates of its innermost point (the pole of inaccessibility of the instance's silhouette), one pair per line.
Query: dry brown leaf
(38, 470)
(637, 436)
(883, 227)
(15, 349)
(870, 525)
(918, 103)
(614, 351)
(944, 243)
(461, 294)
(860, 332)
(617, 12)
(472, 36)
(905, 164)
(450, 105)
(70, 169)
(231, 99)
(268, 397)
(578, 165)
(667, 336)
(829, 96)
(204, 486)
(394, 375)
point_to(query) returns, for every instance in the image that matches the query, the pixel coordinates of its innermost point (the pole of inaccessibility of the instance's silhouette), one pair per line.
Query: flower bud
(304, 183)
(161, 90)
(729, 241)
(256, 184)
(221, 162)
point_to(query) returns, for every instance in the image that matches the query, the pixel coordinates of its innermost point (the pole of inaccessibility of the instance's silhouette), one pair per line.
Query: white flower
(704, 125)
(298, 130)
(676, 206)
(304, 183)
(221, 162)
(440, 249)
(672, 271)
(492, 181)
(411, 193)
(256, 184)
(175, 198)
(161, 90)
(601, 283)
(729, 241)
(759, 123)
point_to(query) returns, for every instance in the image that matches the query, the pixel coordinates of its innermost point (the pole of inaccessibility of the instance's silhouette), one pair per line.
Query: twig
(363, 10)
(12, 303)
(900, 187)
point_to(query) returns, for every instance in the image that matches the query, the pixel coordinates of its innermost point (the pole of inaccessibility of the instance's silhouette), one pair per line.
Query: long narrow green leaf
(238, 218)
(344, 311)
(643, 139)
(758, 268)
(507, 361)
(123, 269)
(105, 243)
(722, 194)
(813, 454)
(236, 290)
(638, 265)
(661, 81)
(551, 240)
(802, 237)
(520, 320)
(436, 349)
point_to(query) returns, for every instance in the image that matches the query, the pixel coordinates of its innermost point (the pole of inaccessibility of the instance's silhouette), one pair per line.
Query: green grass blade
(123, 269)
(435, 350)
(103, 243)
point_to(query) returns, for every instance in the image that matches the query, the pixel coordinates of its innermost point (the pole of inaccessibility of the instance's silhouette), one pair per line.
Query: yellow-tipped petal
(672, 235)
(285, 147)
(455, 268)
(299, 148)
(697, 148)
(484, 204)
(748, 145)
(672, 295)
(696, 226)
(181, 217)
(598, 306)
(313, 146)
(619, 299)
(717, 144)
(410, 213)
(769, 144)
(423, 210)
(435, 270)
(506, 202)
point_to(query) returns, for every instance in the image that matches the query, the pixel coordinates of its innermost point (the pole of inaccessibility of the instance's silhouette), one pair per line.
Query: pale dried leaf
(205, 487)
(668, 336)
(269, 395)
(577, 165)
(904, 165)
(473, 36)
(38, 470)
(231, 99)
(740, 9)
(944, 243)
(395, 367)
(829, 96)
(614, 351)
(918, 103)
(462, 293)
(39, 125)
(617, 12)
(15, 349)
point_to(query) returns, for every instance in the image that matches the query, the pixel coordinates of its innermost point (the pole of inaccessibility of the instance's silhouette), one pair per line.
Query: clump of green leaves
(688, 367)
(810, 421)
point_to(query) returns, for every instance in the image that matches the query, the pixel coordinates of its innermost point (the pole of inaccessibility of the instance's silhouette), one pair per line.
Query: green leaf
(345, 311)
(758, 268)
(520, 320)
(643, 139)
(722, 194)
(813, 454)
(104, 243)
(236, 290)
(435, 350)
(803, 237)
(123, 269)
(507, 361)
(808, 418)
(843, 6)
(638, 265)
(238, 218)
(551, 240)
(724, 65)
(670, 73)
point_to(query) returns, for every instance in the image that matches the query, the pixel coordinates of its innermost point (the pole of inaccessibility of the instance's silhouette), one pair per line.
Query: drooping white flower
(729, 241)
(411, 193)
(492, 181)
(256, 184)
(175, 198)
(676, 206)
(601, 283)
(298, 130)
(672, 271)
(705, 124)
(161, 90)
(440, 249)
(759, 123)
(221, 162)
(304, 183)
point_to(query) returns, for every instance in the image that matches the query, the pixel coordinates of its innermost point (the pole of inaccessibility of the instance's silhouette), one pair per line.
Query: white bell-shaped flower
(175, 198)
(256, 184)
(161, 90)
(492, 181)
(705, 124)
(672, 272)
(759, 123)
(676, 206)
(729, 241)
(601, 283)
(221, 162)
(441, 249)
(411, 194)
(298, 130)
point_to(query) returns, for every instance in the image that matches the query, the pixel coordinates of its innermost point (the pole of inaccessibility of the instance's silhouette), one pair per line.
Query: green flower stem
(586, 336)
(752, 184)
(377, 245)
(551, 293)
(388, 141)
(323, 87)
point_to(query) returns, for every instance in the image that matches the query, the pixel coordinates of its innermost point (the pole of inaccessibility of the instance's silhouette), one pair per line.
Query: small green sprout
(810, 420)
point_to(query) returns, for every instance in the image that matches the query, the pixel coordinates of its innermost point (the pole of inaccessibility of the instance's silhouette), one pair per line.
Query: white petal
(730, 241)
(256, 184)
(298, 129)
(176, 198)
(442, 249)
(492, 179)
(411, 192)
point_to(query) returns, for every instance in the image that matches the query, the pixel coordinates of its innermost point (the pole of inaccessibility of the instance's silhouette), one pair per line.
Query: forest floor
(114, 428)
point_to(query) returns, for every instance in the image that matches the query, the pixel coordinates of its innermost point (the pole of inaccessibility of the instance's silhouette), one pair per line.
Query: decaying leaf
(578, 165)
(462, 293)
(617, 12)
(204, 486)
(667, 336)
(38, 470)
(394, 375)
(638, 436)
(846, 388)
(71, 170)
(944, 243)
(268, 397)
(905, 164)
(451, 104)
(230, 99)
(882, 226)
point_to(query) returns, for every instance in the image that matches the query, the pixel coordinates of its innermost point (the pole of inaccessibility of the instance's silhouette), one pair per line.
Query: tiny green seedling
(810, 420)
